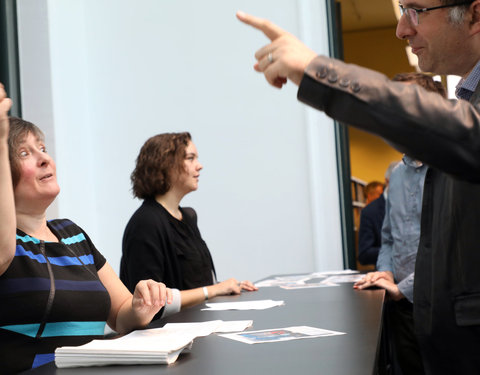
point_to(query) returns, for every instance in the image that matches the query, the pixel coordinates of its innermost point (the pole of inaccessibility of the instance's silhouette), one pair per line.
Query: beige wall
(380, 50)
(377, 49)
(370, 155)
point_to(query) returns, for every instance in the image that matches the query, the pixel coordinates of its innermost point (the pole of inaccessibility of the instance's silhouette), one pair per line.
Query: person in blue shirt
(400, 239)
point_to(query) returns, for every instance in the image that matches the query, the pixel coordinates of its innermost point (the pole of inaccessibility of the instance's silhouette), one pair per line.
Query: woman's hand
(149, 297)
(230, 286)
(127, 311)
(5, 104)
(391, 288)
(8, 221)
(248, 286)
(371, 279)
(382, 280)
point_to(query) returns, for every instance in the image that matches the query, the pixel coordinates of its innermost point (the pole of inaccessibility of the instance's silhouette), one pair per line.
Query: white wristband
(205, 292)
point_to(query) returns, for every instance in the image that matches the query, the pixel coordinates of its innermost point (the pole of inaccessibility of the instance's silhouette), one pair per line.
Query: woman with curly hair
(162, 239)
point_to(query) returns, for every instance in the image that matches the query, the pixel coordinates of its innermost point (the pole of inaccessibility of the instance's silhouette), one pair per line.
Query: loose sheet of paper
(280, 334)
(243, 305)
(312, 280)
(338, 279)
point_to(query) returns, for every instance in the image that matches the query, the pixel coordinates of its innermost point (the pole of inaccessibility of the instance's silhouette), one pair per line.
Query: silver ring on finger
(270, 57)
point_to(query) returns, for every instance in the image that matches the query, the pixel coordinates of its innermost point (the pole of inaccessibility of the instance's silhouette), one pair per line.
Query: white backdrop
(102, 76)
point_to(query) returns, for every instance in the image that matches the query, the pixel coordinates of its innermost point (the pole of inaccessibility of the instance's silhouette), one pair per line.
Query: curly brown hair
(160, 157)
(422, 79)
(19, 129)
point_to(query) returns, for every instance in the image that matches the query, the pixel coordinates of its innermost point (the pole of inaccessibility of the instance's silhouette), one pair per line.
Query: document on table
(243, 305)
(307, 285)
(338, 279)
(280, 334)
(149, 346)
(312, 280)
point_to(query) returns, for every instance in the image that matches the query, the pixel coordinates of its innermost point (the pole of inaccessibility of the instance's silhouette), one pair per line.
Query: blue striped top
(50, 296)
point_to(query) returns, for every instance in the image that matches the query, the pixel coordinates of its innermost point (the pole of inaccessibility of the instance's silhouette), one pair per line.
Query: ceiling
(359, 15)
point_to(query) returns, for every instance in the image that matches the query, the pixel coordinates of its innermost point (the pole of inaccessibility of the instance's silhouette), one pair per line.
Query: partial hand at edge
(5, 105)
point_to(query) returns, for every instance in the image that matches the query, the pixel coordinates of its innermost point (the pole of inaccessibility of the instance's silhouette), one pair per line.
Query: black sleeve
(143, 250)
(98, 258)
(368, 240)
(444, 134)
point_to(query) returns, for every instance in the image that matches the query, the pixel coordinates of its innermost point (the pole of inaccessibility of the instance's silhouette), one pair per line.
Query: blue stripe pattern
(27, 238)
(20, 251)
(65, 261)
(74, 239)
(60, 224)
(43, 359)
(81, 303)
(67, 241)
(79, 285)
(24, 285)
(58, 261)
(38, 283)
(59, 329)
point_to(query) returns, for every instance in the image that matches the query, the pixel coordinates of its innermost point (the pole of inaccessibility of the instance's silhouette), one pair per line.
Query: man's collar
(407, 160)
(466, 87)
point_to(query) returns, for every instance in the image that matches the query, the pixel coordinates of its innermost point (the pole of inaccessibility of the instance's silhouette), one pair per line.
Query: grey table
(340, 308)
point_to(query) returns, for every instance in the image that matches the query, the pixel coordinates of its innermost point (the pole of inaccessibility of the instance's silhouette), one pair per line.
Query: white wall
(101, 76)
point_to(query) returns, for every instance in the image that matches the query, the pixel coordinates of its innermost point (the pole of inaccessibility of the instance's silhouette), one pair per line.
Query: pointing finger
(271, 30)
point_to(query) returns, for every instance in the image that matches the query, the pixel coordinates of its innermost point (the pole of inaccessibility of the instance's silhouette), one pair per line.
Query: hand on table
(382, 280)
(232, 286)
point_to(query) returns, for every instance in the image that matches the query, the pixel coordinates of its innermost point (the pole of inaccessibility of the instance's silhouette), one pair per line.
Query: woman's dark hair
(19, 129)
(422, 79)
(161, 157)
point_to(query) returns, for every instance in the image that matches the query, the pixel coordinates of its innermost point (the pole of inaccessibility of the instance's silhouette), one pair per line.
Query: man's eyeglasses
(412, 13)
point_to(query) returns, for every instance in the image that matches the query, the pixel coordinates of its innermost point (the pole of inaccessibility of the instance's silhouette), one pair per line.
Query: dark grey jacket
(444, 134)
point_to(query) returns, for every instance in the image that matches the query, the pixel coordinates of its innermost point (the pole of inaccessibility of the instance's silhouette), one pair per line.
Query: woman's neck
(35, 226)
(171, 202)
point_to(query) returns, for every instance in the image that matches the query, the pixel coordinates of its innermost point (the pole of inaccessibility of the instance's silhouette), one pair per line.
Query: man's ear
(475, 21)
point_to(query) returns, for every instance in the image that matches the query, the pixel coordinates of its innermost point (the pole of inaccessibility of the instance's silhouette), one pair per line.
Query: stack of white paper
(243, 305)
(150, 346)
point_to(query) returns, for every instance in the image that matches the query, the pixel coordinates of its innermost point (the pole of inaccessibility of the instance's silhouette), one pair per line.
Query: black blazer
(445, 134)
(370, 231)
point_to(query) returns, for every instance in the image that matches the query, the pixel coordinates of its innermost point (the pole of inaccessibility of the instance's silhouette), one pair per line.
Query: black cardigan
(158, 246)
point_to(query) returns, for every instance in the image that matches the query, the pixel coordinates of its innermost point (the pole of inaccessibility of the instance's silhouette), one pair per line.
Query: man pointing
(445, 35)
